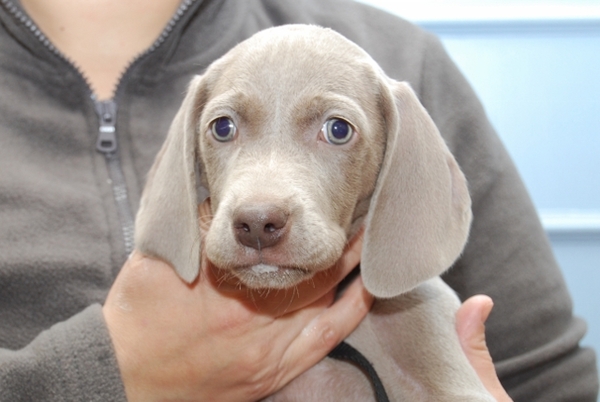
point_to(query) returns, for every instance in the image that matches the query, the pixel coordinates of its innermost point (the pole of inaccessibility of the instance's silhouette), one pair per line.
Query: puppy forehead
(295, 77)
(286, 61)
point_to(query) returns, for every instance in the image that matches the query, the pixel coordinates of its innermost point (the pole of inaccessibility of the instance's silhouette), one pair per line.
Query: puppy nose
(259, 226)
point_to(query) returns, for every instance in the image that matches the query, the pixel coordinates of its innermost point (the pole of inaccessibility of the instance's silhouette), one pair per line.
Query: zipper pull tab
(107, 132)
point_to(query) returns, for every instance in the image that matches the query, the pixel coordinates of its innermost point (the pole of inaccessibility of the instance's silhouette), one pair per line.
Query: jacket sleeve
(71, 361)
(532, 333)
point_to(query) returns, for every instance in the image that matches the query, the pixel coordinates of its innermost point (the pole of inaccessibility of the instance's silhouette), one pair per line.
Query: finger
(470, 325)
(328, 329)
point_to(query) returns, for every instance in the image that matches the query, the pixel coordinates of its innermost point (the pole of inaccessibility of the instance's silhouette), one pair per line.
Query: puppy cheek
(219, 242)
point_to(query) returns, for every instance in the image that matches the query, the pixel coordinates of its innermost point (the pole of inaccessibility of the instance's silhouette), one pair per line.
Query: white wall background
(536, 66)
(461, 10)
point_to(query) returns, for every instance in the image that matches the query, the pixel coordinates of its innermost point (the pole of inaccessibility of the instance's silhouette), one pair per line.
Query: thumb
(470, 326)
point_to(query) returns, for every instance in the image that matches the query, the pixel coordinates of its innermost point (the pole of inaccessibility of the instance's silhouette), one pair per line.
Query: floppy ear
(419, 217)
(167, 224)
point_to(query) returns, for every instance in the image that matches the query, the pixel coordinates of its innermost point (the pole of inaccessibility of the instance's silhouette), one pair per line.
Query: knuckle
(330, 336)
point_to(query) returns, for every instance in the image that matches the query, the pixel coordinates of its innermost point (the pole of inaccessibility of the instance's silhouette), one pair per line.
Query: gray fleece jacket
(65, 224)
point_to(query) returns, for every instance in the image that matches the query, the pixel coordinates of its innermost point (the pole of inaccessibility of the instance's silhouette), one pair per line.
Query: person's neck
(101, 37)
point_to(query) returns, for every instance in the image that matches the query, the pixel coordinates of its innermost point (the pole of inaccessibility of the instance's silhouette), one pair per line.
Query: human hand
(470, 325)
(199, 342)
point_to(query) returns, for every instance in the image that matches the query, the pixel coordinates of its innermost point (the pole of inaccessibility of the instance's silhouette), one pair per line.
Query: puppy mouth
(263, 276)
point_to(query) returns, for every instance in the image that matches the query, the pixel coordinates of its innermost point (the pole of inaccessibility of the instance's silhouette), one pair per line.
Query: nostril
(243, 226)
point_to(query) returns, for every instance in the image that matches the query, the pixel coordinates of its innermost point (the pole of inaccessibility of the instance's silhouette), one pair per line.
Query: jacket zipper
(106, 141)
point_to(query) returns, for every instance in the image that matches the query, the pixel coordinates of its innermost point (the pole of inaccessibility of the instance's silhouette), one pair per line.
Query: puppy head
(298, 136)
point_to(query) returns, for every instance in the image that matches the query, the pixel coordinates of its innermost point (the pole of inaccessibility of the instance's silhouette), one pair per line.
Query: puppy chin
(264, 276)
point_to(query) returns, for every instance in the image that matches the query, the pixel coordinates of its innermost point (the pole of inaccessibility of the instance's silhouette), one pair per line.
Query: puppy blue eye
(337, 131)
(223, 129)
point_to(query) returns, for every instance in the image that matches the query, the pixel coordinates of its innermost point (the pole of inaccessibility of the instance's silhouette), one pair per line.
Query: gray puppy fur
(300, 139)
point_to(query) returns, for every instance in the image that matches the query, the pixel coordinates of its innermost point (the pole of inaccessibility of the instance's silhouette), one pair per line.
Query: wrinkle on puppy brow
(247, 109)
(312, 108)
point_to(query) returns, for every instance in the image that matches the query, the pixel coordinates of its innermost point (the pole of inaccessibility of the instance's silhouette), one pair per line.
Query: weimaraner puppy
(300, 139)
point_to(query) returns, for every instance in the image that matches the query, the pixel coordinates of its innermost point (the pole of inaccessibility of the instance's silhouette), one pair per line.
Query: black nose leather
(260, 226)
